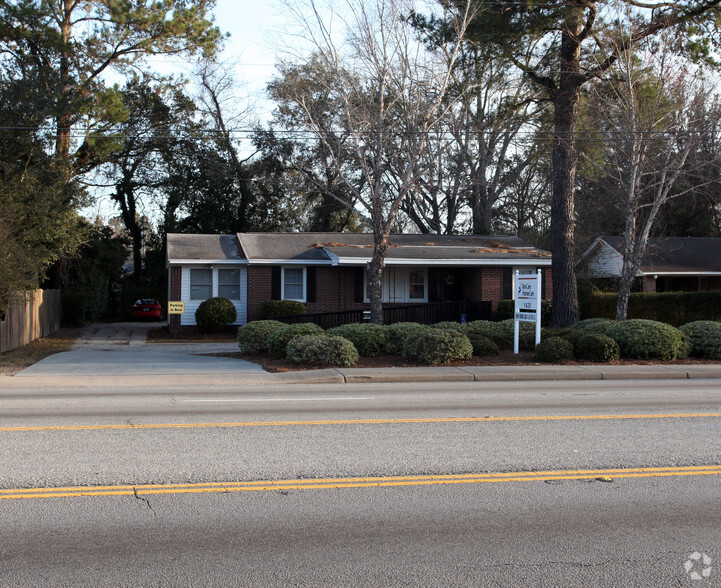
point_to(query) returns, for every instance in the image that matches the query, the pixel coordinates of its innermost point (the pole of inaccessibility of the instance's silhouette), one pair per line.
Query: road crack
(145, 500)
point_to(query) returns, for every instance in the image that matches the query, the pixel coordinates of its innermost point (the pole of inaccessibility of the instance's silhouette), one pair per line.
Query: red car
(147, 308)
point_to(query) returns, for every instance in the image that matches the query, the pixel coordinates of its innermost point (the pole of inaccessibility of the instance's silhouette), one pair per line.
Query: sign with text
(527, 293)
(176, 307)
(527, 307)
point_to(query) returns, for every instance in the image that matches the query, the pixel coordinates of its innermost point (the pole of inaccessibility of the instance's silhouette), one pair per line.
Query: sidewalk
(368, 375)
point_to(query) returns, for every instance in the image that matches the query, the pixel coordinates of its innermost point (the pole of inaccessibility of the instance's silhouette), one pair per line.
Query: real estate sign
(527, 294)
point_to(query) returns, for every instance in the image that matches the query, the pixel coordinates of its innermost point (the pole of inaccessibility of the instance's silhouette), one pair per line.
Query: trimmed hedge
(482, 346)
(370, 340)
(596, 347)
(448, 325)
(271, 308)
(437, 347)
(397, 333)
(278, 340)
(322, 350)
(526, 333)
(645, 339)
(674, 308)
(253, 336)
(554, 350)
(215, 313)
(704, 337)
(496, 332)
(593, 325)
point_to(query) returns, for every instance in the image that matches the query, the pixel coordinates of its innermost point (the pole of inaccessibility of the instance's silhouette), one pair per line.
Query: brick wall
(649, 284)
(259, 289)
(176, 282)
(335, 288)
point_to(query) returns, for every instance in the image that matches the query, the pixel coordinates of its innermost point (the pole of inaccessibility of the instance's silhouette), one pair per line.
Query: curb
(377, 375)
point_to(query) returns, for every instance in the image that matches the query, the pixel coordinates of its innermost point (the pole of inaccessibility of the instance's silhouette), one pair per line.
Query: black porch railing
(426, 314)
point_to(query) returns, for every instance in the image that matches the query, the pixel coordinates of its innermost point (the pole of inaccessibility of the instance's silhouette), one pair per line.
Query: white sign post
(528, 304)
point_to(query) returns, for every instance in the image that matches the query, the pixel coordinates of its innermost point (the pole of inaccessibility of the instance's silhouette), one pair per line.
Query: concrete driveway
(121, 349)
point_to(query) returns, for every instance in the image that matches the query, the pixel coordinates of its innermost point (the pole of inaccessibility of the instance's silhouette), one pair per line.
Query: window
(416, 285)
(293, 287)
(402, 285)
(201, 284)
(229, 284)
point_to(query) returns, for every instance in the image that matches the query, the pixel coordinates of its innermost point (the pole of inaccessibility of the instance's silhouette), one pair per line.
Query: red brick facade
(176, 284)
(335, 288)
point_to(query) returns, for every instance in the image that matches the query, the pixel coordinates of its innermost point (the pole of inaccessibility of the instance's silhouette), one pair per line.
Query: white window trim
(282, 283)
(406, 286)
(217, 284)
(190, 282)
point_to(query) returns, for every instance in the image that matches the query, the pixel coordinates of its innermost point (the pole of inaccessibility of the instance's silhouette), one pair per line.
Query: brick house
(670, 264)
(327, 271)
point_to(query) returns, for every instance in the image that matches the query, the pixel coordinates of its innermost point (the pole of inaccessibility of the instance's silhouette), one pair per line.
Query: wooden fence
(30, 315)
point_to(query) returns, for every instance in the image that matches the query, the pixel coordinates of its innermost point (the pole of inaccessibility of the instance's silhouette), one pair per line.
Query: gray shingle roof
(359, 246)
(327, 248)
(677, 254)
(204, 248)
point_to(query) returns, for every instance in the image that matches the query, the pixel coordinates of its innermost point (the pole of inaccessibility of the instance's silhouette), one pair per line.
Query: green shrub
(370, 340)
(448, 325)
(596, 347)
(215, 313)
(644, 339)
(272, 308)
(482, 346)
(322, 350)
(437, 347)
(593, 325)
(253, 336)
(496, 332)
(397, 333)
(278, 340)
(526, 333)
(554, 350)
(704, 337)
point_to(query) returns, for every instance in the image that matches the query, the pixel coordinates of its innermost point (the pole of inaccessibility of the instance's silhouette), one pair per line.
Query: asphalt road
(465, 484)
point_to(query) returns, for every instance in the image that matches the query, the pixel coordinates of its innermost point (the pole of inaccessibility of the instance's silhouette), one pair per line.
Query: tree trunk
(375, 276)
(565, 160)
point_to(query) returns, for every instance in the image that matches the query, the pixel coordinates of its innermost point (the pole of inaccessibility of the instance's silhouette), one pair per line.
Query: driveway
(121, 349)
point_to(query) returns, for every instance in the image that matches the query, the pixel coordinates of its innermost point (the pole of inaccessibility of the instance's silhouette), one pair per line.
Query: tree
(390, 94)
(136, 151)
(654, 113)
(575, 48)
(38, 222)
(70, 45)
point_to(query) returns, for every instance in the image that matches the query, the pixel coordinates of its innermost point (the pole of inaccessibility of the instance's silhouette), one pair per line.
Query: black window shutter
(358, 274)
(507, 293)
(310, 284)
(543, 284)
(275, 283)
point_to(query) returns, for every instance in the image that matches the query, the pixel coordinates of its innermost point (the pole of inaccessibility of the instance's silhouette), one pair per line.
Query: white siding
(241, 306)
(604, 262)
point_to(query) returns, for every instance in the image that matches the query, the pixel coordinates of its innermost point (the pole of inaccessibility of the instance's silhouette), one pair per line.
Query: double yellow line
(606, 475)
(393, 421)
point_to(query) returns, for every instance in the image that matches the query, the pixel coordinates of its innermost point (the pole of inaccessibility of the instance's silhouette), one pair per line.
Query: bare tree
(391, 91)
(654, 111)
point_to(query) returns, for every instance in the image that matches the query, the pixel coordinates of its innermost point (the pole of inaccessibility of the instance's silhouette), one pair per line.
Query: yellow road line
(490, 419)
(359, 482)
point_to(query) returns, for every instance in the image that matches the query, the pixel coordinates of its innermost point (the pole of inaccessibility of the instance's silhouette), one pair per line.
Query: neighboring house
(673, 264)
(327, 271)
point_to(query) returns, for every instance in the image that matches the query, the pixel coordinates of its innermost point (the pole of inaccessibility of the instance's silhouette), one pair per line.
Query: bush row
(674, 308)
(596, 340)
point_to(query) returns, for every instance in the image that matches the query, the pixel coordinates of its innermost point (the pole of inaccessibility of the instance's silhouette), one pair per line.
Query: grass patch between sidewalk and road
(16, 360)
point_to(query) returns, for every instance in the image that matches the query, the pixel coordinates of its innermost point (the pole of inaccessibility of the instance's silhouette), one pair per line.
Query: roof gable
(204, 248)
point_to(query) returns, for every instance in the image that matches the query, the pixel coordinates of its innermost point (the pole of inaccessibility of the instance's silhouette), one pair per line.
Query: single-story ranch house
(327, 271)
(671, 264)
